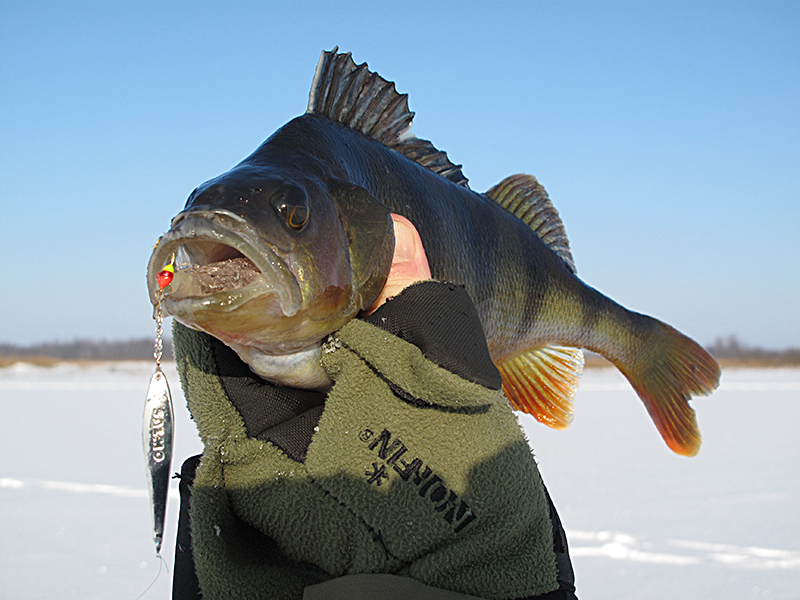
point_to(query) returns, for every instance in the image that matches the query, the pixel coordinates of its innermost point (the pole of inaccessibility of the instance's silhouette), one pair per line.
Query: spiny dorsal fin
(542, 382)
(524, 197)
(357, 98)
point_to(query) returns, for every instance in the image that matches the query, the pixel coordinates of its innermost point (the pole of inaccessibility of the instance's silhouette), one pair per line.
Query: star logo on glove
(377, 475)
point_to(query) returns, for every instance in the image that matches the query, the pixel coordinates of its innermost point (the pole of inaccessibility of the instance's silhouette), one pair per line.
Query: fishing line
(162, 564)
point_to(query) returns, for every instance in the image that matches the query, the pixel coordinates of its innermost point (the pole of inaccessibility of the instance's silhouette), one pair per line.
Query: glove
(412, 465)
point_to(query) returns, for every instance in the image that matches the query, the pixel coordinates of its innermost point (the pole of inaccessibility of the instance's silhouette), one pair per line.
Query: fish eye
(291, 203)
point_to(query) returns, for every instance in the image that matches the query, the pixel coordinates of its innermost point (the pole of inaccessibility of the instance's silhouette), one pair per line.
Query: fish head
(270, 264)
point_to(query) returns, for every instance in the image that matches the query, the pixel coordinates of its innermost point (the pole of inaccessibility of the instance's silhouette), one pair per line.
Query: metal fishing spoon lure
(157, 425)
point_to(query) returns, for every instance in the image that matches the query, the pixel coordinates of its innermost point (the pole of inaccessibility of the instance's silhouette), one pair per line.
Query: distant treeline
(141, 349)
(729, 352)
(726, 350)
(732, 351)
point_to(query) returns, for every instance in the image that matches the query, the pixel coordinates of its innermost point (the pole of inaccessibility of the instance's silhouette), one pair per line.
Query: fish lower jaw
(301, 369)
(219, 264)
(181, 303)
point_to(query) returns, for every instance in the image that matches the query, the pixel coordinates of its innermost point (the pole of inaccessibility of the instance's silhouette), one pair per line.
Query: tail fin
(666, 375)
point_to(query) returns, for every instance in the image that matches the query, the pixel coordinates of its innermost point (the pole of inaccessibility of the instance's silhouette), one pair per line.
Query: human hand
(409, 263)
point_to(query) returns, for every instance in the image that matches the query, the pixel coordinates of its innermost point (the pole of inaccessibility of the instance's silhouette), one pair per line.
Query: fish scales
(310, 208)
(468, 238)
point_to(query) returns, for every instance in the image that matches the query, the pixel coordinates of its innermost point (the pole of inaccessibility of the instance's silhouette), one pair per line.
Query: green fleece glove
(413, 470)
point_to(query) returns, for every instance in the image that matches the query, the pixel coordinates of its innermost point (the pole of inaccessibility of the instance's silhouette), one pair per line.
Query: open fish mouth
(220, 263)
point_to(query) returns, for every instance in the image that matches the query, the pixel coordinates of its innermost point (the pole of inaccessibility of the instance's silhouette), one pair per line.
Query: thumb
(409, 263)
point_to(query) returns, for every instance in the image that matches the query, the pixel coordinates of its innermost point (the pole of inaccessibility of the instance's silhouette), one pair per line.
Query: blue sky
(667, 134)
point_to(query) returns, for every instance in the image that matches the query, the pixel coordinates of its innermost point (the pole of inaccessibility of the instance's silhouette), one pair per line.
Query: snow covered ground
(642, 522)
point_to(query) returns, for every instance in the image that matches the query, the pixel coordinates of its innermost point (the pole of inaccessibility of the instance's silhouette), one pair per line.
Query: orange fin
(665, 385)
(542, 382)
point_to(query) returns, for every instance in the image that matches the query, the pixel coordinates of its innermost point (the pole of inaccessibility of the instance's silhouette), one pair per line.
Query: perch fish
(295, 240)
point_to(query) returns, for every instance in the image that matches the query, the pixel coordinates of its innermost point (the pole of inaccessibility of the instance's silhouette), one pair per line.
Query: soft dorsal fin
(523, 196)
(355, 97)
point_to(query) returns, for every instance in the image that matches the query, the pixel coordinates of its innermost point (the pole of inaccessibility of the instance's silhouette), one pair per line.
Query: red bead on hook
(166, 275)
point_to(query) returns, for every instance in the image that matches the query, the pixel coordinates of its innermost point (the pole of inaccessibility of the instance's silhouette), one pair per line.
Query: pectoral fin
(542, 382)
(370, 236)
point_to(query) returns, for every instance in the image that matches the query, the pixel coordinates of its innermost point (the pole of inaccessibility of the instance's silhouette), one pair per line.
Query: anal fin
(543, 382)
